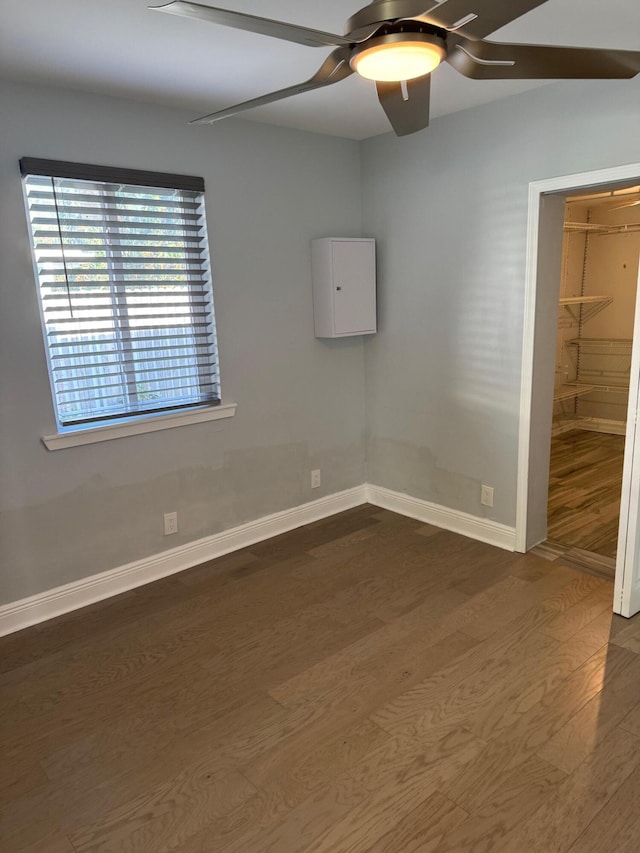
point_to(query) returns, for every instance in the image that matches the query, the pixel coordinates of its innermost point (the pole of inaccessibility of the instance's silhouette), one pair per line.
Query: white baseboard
(472, 526)
(72, 596)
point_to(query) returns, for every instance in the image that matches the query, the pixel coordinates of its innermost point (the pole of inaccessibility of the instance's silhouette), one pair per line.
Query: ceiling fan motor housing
(383, 12)
(425, 43)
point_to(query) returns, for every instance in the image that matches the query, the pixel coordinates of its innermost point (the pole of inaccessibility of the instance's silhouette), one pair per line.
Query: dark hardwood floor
(366, 684)
(585, 484)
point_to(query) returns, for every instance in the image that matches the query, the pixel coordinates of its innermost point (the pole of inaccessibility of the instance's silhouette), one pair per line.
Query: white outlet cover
(486, 496)
(170, 523)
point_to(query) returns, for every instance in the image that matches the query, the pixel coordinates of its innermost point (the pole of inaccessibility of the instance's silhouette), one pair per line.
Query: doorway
(547, 205)
(601, 247)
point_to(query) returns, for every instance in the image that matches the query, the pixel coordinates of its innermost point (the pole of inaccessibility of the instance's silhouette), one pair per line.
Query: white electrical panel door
(344, 287)
(354, 287)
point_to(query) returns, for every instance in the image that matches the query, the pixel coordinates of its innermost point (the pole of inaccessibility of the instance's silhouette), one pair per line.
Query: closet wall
(596, 315)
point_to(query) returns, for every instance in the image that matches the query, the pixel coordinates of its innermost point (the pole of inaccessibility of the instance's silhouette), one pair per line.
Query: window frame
(87, 429)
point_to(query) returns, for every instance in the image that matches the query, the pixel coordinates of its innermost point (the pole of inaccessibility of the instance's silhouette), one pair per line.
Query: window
(123, 277)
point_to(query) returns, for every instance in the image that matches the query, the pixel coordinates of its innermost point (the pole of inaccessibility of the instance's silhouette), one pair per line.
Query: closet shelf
(581, 300)
(617, 346)
(612, 427)
(592, 387)
(570, 391)
(590, 227)
(579, 309)
(603, 386)
(595, 228)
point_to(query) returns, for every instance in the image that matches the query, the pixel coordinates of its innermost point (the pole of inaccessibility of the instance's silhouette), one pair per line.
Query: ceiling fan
(398, 43)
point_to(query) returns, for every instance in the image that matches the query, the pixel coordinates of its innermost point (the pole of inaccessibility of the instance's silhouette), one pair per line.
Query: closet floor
(585, 485)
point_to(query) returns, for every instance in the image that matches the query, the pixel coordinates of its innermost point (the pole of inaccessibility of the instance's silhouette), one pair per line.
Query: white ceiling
(119, 47)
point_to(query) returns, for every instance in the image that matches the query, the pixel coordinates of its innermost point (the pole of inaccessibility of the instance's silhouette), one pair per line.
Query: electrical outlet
(170, 523)
(315, 479)
(486, 495)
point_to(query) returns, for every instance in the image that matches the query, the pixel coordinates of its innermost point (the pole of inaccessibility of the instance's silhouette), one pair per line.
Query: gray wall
(72, 513)
(449, 207)
(442, 377)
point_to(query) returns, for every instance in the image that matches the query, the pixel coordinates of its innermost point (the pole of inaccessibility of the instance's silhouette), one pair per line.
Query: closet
(593, 360)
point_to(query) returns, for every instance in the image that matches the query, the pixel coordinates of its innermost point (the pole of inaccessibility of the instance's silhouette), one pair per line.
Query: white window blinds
(123, 276)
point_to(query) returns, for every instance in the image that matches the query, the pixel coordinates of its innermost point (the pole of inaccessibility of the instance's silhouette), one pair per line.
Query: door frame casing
(626, 594)
(535, 428)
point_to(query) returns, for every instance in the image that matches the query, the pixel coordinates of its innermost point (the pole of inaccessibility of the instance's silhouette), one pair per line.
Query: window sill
(92, 435)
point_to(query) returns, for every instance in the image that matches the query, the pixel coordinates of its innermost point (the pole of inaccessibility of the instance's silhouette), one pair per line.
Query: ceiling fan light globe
(398, 57)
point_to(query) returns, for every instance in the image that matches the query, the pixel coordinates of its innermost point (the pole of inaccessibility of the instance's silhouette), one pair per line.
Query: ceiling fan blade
(476, 19)
(485, 60)
(335, 68)
(406, 104)
(241, 21)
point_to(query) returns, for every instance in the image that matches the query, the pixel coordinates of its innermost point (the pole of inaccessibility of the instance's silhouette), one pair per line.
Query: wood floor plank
(307, 761)
(400, 780)
(231, 739)
(565, 625)
(575, 592)
(628, 636)
(282, 652)
(313, 535)
(531, 730)
(293, 833)
(50, 844)
(502, 611)
(252, 818)
(562, 818)
(359, 694)
(467, 701)
(337, 671)
(186, 696)
(226, 629)
(422, 829)
(580, 686)
(336, 546)
(175, 809)
(94, 791)
(19, 776)
(68, 679)
(573, 743)
(631, 722)
(438, 754)
(308, 820)
(527, 684)
(531, 567)
(481, 665)
(390, 586)
(616, 826)
(56, 634)
(491, 823)
(365, 684)
(231, 566)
